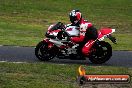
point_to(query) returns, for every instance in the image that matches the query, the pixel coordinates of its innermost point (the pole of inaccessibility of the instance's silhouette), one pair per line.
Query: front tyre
(102, 52)
(42, 51)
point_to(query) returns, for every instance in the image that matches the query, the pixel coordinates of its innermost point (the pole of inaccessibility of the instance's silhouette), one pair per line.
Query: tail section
(113, 30)
(105, 32)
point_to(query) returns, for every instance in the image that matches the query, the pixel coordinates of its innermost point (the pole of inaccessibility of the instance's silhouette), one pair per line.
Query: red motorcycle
(58, 45)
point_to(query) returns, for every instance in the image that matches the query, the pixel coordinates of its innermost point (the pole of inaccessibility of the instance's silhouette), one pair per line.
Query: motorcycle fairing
(104, 32)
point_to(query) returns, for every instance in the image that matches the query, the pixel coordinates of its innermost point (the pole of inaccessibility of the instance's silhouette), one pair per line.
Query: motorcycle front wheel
(102, 52)
(43, 53)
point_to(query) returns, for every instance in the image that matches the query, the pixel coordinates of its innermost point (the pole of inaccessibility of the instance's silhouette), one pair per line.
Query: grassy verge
(30, 35)
(124, 42)
(20, 34)
(24, 23)
(46, 75)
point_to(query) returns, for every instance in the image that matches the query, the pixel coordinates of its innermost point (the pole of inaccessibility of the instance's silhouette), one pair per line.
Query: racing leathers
(88, 35)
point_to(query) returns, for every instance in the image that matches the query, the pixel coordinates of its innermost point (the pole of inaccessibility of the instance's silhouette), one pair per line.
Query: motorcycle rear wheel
(43, 53)
(102, 53)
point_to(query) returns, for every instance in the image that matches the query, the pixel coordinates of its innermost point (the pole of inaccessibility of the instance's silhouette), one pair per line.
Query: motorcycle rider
(88, 33)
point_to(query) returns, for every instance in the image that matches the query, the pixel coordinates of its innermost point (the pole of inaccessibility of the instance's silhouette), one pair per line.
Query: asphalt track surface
(26, 55)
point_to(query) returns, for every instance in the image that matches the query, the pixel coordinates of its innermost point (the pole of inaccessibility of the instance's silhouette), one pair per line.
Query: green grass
(48, 75)
(20, 34)
(35, 76)
(124, 42)
(24, 22)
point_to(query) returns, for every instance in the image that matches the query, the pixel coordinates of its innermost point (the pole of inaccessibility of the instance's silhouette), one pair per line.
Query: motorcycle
(61, 47)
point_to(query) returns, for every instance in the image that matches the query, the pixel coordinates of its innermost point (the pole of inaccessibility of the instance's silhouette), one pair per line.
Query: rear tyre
(102, 52)
(43, 53)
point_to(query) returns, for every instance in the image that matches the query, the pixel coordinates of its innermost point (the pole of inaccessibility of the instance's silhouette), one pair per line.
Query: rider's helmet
(75, 17)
